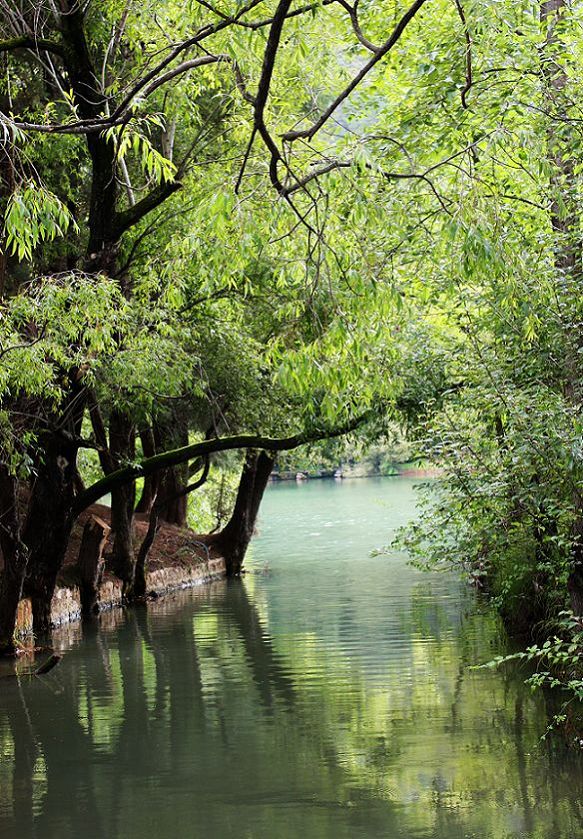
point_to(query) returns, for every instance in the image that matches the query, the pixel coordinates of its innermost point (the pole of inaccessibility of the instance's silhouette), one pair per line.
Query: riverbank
(177, 560)
(359, 470)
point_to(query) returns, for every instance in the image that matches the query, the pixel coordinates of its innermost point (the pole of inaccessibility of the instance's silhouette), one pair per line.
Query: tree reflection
(191, 718)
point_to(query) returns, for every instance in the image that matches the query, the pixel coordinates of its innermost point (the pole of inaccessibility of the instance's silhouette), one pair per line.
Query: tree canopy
(258, 224)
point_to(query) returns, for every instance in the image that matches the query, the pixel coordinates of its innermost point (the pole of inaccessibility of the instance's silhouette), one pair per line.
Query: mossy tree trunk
(15, 557)
(123, 499)
(232, 542)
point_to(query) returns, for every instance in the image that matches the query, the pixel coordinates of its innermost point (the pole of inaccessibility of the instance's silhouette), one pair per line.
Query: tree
(97, 85)
(505, 297)
(265, 230)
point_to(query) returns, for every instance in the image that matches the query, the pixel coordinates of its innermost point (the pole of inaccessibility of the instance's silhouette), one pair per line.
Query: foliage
(557, 664)
(33, 215)
(274, 230)
(356, 454)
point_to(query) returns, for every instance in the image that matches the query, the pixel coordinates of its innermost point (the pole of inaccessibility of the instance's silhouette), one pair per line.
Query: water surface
(327, 696)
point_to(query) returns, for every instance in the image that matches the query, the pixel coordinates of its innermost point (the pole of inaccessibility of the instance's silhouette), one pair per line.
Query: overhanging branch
(28, 42)
(150, 465)
(130, 217)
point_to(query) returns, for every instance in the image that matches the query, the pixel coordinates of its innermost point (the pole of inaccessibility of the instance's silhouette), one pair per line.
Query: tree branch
(201, 35)
(353, 13)
(28, 42)
(466, 89)
(133, 214)
(254, 25)
(269, 56)
(150, 465)
(315, 173)
(309, 133)
(191, 64)
(332, 165)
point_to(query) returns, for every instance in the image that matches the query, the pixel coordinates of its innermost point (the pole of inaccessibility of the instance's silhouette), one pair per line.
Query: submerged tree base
(179, 559)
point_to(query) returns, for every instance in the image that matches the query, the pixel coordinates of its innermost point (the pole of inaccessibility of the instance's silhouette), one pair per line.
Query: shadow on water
(303, 702)
(149, 713)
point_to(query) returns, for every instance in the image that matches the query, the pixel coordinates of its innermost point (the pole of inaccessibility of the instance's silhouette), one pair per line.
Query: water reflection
(328, 697)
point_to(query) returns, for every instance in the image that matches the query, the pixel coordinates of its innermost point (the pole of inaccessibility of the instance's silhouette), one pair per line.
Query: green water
(327, 696)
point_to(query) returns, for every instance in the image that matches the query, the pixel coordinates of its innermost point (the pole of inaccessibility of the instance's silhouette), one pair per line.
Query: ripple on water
(328, 695)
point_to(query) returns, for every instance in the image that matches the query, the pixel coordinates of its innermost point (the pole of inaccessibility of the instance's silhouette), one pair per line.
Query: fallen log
(51, 662)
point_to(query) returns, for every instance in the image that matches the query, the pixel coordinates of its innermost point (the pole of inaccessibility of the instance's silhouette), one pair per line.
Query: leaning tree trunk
(140, 581)
(232, 542)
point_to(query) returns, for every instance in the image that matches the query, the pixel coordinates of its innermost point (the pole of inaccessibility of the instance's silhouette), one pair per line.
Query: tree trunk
(90, 563)
(123, 499)
(175, 511)
(11, 581)
(172, 433)
(119, 450)
(122, 521)
(232, 542)
(150, 488)
(154, 523)
(15, 556)
(102, 245)
(49, 518)
(49, 521)
(145, 547)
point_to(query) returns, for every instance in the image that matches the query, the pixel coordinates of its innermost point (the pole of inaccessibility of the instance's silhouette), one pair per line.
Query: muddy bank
(66, 603)
(178, 560)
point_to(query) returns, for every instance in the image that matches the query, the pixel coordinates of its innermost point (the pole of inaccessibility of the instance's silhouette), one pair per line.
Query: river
(330, 695)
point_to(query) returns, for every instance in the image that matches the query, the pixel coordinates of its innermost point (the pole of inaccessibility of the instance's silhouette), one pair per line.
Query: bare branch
(466, 89)
(309, 133)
